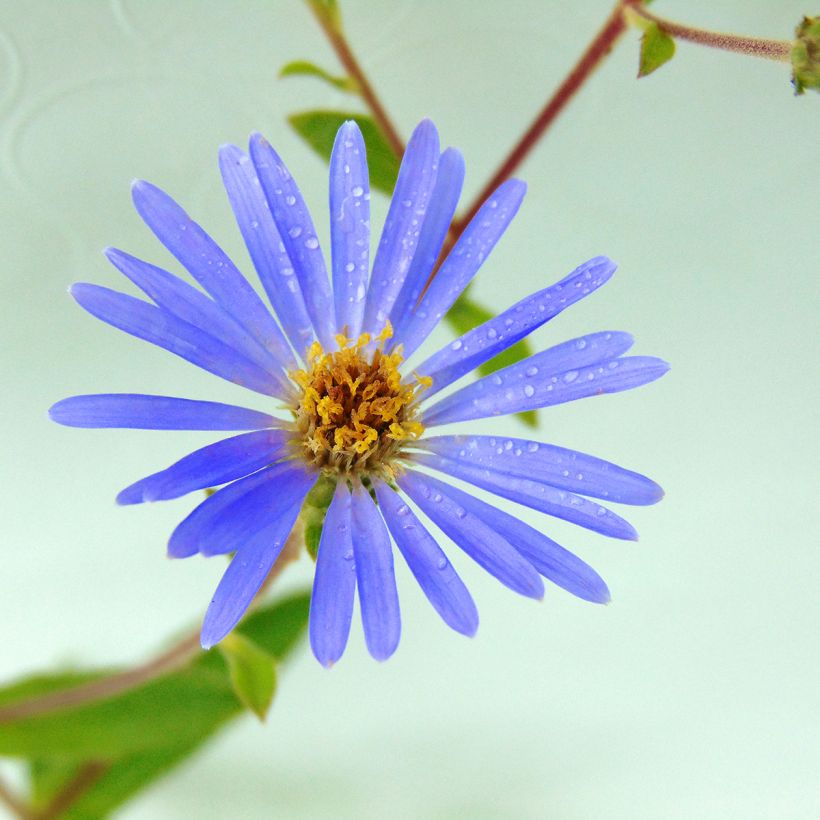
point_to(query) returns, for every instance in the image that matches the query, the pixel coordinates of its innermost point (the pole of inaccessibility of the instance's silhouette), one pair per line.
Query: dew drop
(580, 344)
(312, 243)
(532, 371)
(442, 563)
(570, 376)
(294, 232)
(290, 199)
(529, 391)
(532, 447)
(357, 190)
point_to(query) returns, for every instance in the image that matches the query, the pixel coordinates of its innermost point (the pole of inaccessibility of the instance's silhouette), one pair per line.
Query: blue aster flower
(342, 402)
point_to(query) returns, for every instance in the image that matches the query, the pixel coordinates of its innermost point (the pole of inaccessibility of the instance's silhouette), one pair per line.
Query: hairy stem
(593, 55)
(779, 50)
(333, 31)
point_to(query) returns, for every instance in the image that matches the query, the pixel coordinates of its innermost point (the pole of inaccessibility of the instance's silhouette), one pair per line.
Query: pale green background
(695, 693)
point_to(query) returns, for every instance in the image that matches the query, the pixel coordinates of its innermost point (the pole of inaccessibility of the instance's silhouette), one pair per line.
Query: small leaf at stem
(318, 129)
(313, 512)
(176, 711)
(657, 48)
(466, 314)
(806, 56)
(304, 68)
(252, 672)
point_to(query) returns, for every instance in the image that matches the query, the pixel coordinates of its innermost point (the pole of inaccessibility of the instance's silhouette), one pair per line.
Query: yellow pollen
(354, 411)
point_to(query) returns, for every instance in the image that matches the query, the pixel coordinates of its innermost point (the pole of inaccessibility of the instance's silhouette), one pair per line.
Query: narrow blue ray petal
(245, 575)
(245, 516)
(265, 246)
(193, 306)
(573, 369)
(349, 227)
(428, 563)
(208, 264)
(550, 559)
(209, 466)
(334, 585)
(378, 597)
(298, 235)
(186, 537)
(400, 235)
(145, 321)
(542, 497)
(489, 339)
(145, 412)
(440, 212)
(548, 464)
(219, 524)
(485, 546)
(461, 264)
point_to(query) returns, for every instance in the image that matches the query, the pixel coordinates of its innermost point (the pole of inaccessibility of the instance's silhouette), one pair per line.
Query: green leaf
(657, 48)
(466, 314)
(252, 672)
(318, 129)
(304, 68)
(806, 56)
(119, 780)
(177, 710)
(314, 510)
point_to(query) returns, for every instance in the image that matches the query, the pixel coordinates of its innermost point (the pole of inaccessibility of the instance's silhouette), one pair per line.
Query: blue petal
(245, 575)
(208, 264)
(400, 236)
(378, 596)
(541, 497)
(440, 212)
(548, 464)
(209, 466)
(265, 246)
(428, 563)
(485, 546)
(487, 340)
(145, 321)
(349, 227)
(550, 559)
(298, 235)
(461, 264)
(245, 516)
(145, 412)
(539, 382)
(334, 585)
(191, 305)
(188, 534)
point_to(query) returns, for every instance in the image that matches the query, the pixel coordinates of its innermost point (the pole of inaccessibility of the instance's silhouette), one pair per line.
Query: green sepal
(805, 56)
(314, 511)
(657, 48)
(318, 129)
(304, 68)
(466, 314)
(252, 672)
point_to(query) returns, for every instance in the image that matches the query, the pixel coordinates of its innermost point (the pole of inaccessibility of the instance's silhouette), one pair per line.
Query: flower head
(347, 405)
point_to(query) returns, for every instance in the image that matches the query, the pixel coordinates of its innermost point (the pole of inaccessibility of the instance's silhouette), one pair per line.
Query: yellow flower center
(354, 410)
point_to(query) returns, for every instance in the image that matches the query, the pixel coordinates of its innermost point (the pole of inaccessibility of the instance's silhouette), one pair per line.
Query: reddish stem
(588, 62)
(347, 58)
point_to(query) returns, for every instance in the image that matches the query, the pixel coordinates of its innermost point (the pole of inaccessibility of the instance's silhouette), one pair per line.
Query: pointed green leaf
(806, 56)
(657, 48)
(318, 129)
(252, 672)
(466, 314)
(177, 710)
(314, 510)
(304, 68)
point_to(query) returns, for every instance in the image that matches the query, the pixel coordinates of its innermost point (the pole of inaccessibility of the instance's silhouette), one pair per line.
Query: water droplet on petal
(570, 376)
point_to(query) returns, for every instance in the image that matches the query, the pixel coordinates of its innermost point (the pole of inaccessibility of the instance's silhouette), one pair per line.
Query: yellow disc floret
(354, 410)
